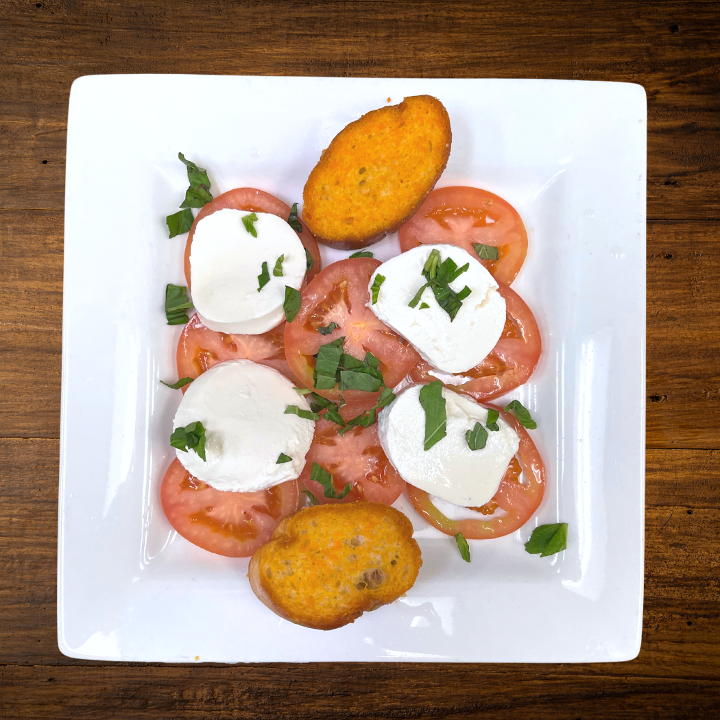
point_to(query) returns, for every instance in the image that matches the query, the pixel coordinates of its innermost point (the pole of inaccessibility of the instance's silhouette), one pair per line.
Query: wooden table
(671, 48)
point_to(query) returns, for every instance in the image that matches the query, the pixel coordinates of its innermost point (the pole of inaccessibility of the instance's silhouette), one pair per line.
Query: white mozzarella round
(225, 262)
(450, 346)
(449, 470)
(242, 407)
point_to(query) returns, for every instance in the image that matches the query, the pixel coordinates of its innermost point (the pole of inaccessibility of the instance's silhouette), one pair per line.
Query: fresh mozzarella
(449, 470)
(241, 405)
(450, 346)
(225, 262)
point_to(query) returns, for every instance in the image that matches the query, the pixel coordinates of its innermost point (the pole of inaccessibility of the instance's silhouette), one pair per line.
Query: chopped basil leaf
(302, 391)
(180, 222)
(176, 304)
(486, 252)
(318, 474)
(522, 414)
(348, 362)
(182, 382)
(369, 417)
(291, 306)
(433, 403)
(305, 414)
(328, 328)
(263, 277)
(477, 437)
(439, 275)
(333, 416)
(318, 403)
(375, 289)
(309, 262)
(191, 437)
(283, 458)
(547, 540)
(277, 270)
(311, 497)
(294, 223)
(198, 194)
(356, 380)
(361, 254)
(491, 422)
(247, 221)
(424, 306)
(463, 547)
(371, 360)
(326, 364)
(413, 303)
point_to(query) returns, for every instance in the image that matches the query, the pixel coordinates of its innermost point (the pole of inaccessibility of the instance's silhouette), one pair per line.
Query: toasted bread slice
(326, 565)
(376, 172)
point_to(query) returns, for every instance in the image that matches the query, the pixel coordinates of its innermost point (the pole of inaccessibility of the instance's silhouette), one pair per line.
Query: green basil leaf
(322, 476)
(277, 270)
(424, 306)
(370, 416)
(196, 197)
(463, 547)
(182, 382)
(327, 361)
(309, 262)
(333, 416)
(311, 497)
(191, 437)
(433, 403)
(547, 540)
(318, 403)
(176, 304)
(305, 414)
(248, 221)
(491, 422)
(283, 458)
(386, 397)
(292, 303)
(302, 391)
(522, 414)
(361, 254)
(375, 287)
(295, 224)
(486, 252)
(180, 222)
(432, 264)
(348, 362)
(477, 437)
(355, 380)
(263, 277)
(371, 360)
(413, 303)
(196, 175)
(464, 293)
(328, 328)
(447, 299)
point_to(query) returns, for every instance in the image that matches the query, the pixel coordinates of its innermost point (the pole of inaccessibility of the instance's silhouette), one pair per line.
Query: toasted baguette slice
(328, 564)
(376, 172)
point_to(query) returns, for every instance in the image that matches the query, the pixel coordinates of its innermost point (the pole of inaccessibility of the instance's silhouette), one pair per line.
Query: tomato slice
(233, 524)
(200, 348)
(340, 294)
(356, 458)
(465, 215)
(253, 200)
(512, 505)
(510, 363)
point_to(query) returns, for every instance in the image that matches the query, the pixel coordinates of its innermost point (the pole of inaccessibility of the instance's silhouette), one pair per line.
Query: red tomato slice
(465, 215)
(510, 363)
(511, 507)
(340, 294)
(200, 348)
(226, 523)
(356, 458)
(253, 200)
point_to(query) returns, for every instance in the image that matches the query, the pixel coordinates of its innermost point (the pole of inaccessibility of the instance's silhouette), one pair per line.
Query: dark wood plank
(683, 311)
(672, 48)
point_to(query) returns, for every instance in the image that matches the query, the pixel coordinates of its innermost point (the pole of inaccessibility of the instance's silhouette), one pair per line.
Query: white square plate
(570, 156)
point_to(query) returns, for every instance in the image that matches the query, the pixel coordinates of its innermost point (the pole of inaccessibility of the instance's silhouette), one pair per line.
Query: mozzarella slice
(450, 346)
(449, 470)
(225, 262)
(241, 405)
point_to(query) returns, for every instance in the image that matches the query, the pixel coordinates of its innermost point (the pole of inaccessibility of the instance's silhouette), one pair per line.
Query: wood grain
(671, 48)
